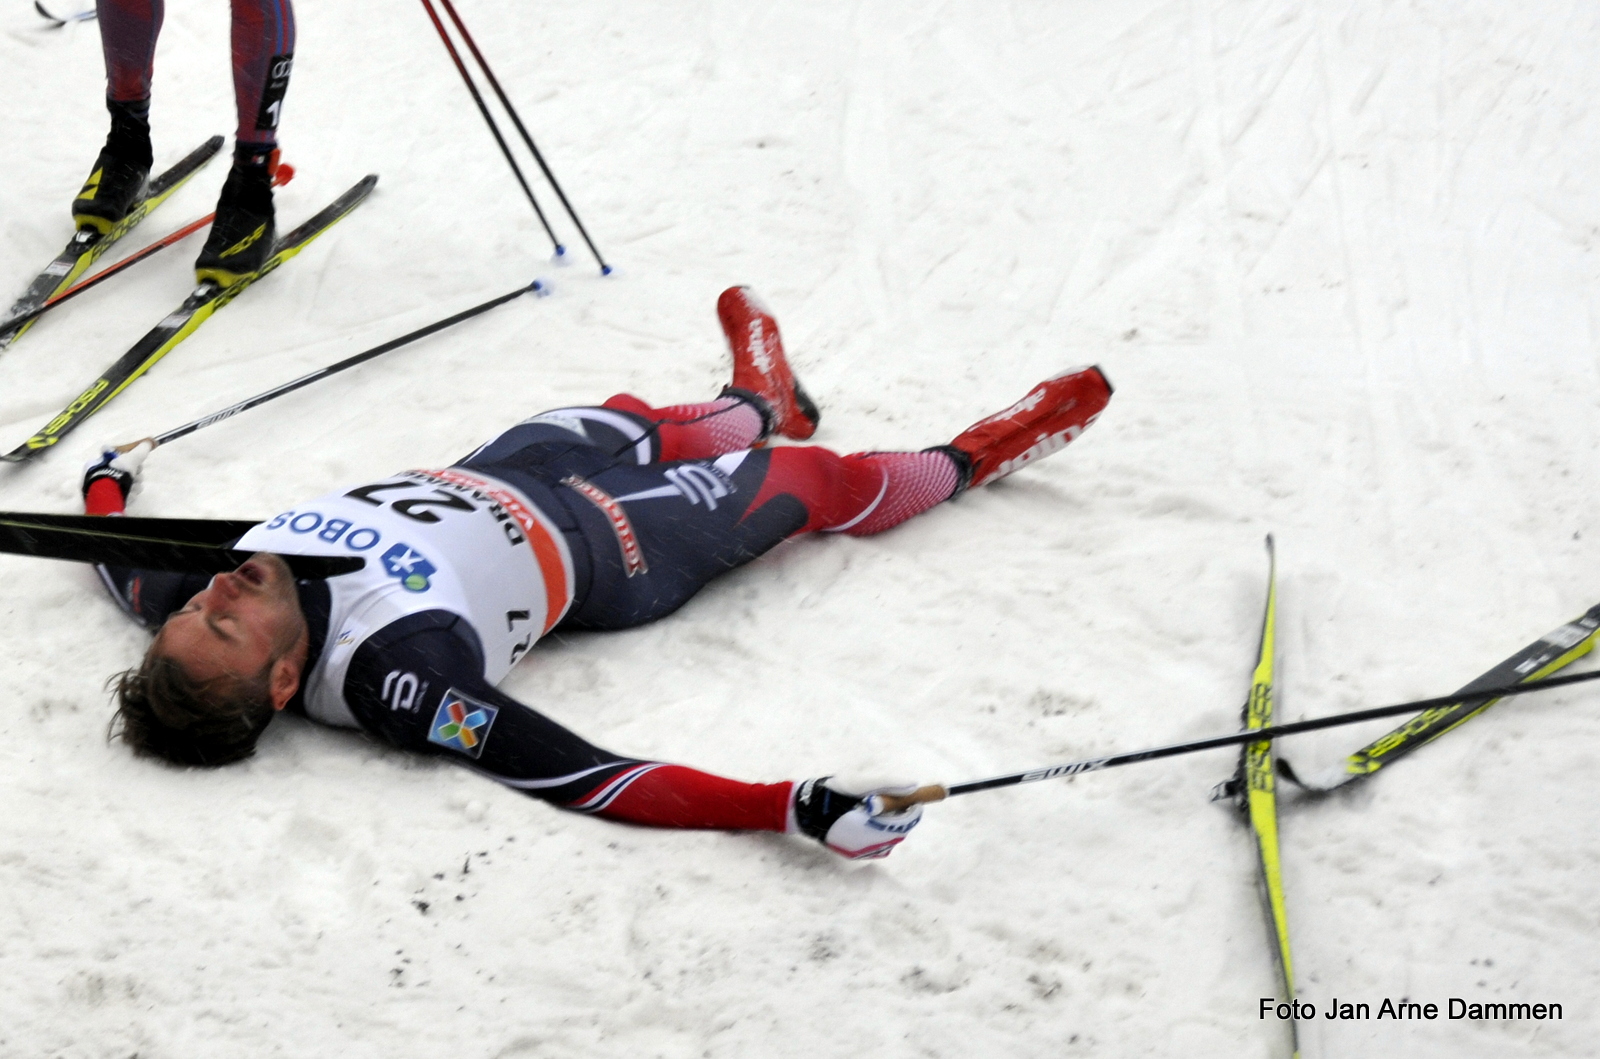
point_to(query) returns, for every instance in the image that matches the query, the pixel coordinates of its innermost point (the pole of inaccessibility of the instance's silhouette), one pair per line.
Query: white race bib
(452, 540)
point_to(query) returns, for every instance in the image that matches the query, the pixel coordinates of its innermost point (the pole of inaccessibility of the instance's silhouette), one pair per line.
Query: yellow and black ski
(1254, 788)
(195, 310)
(1539, 659)
(88, 244)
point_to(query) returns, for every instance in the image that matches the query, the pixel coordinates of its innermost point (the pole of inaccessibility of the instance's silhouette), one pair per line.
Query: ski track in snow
(1338, 260)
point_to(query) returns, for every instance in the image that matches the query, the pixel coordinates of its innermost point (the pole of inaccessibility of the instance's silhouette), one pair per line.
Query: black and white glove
(852, 825)
(119, 467)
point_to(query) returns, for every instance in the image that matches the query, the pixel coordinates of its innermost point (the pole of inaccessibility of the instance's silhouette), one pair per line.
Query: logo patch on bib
(409, 566)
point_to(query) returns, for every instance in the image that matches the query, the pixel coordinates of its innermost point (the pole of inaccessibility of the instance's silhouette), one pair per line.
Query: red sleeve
(660, 795)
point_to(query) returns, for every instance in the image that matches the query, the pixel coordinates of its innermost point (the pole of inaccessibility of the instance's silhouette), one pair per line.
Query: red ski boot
(1054, 412)
(759, 366)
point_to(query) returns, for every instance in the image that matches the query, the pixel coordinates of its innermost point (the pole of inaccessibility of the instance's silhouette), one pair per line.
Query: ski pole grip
(896, 803)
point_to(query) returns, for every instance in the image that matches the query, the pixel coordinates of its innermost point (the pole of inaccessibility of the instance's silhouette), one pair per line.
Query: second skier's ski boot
(243, 233)
(118, 181)
(1054, 413)
(759, 366)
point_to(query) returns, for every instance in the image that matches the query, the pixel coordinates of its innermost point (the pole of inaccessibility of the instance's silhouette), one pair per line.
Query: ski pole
(537, 286)
(494, 83)
(937, 792)
(483, 108)
(282, 176)
(181, 545)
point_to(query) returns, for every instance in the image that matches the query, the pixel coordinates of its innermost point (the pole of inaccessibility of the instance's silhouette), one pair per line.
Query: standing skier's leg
(128, 32)
(263, 55)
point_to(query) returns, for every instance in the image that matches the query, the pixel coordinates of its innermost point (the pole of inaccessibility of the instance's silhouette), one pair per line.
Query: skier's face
(241, 624)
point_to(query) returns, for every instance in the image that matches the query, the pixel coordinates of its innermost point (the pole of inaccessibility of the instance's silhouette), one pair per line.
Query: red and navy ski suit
(607, 517)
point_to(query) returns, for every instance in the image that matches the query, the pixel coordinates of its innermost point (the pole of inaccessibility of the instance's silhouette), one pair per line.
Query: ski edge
(1258, 791)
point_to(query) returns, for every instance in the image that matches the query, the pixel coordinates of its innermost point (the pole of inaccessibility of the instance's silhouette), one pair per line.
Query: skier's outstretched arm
(418, 686)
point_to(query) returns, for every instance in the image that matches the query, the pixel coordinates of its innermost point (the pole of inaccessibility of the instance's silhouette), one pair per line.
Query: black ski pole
(537, 286)
(483, 108)
(937, 792)
(182, 545)
(494, 83)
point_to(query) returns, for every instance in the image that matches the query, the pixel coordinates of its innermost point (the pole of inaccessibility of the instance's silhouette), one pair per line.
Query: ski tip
(215, 144)
(561, 252)
(606, 270)
(362, 188)
(540, 288)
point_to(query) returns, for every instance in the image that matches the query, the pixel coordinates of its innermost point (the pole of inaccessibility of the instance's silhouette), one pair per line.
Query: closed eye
(215, 626)
(213, 623)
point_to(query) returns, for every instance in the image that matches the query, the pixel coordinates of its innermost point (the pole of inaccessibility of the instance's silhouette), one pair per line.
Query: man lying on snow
(582, 518)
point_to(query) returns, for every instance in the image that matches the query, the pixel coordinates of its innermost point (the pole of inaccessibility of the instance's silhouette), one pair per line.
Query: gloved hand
(120, 468)
(852, 825)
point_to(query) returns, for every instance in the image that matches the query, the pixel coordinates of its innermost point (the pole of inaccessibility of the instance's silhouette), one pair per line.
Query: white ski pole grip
(896, 803)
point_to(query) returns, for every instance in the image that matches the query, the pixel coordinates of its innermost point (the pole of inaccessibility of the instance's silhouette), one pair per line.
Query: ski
(284, 174)
(1255, 791)
(1544, 656)
(195, 310)
(184, 545)
(86, 246)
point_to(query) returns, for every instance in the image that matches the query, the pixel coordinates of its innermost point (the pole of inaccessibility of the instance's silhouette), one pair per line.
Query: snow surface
(1338, 259)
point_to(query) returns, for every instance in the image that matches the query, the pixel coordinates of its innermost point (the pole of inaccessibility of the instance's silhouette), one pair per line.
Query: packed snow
(1338, 259)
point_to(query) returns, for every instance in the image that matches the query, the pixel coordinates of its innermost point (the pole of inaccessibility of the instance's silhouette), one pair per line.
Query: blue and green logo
(409, 566)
